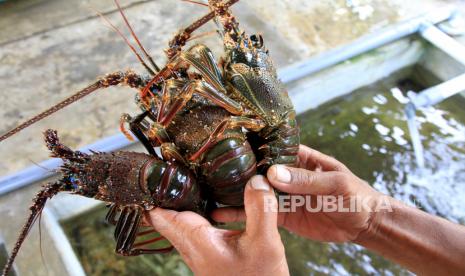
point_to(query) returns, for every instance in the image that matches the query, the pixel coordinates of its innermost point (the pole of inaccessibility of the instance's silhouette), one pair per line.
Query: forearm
(423, 243)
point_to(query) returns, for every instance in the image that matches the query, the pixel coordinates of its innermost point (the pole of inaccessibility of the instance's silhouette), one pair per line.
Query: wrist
(381, 209)
(416, 240)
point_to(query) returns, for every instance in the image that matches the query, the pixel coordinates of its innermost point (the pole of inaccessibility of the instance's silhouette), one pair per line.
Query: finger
(234, 214)
(176, 226)
(301, 181)
(228, 214)
(260, 206)
(311, 159)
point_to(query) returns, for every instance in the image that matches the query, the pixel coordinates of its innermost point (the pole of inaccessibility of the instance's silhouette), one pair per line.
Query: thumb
(260, 206)
(302, 181)
(176, 226)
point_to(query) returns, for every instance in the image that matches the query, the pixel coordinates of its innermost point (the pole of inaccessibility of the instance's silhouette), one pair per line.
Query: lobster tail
(281, 145)
(59, 150)
(227, 168)
(38, 205)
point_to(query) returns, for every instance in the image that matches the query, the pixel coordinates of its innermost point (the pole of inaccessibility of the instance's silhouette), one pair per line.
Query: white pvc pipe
(415, 135)
(444, 42)
(440, 92)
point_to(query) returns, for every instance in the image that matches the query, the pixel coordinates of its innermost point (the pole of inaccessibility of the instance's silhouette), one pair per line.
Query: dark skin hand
(422, 243)
(317, 174)
(207, 250)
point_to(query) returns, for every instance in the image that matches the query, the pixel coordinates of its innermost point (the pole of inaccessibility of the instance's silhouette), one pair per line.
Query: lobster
(251, 97)
(217, 124)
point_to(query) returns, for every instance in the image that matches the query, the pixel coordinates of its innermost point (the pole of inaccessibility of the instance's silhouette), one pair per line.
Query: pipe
(415, 134)
(455, 26)
(444, 42)
(429, 97)
(438, 93)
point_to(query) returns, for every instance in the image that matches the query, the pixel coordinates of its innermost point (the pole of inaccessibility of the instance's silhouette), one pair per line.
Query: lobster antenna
(195, 2)
(202, 35)
(40, 243)
(135, 37)
(125, 40)
(81, 94)
(38, 205)
(42, 167)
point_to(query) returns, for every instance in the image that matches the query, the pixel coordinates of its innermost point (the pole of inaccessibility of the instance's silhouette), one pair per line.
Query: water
(367, 131)
(92, 241)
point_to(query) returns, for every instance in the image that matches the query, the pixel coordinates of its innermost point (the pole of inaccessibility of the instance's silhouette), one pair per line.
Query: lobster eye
(257, 40)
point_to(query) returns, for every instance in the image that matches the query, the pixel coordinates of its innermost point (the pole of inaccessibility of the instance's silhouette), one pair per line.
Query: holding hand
(423, 243)
(210, 251)
(317, 175)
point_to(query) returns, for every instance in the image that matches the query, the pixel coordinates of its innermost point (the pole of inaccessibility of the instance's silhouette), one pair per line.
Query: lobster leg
(126, 232)
(232, 122)
(168, 86)
(136, 127)
(111, 215)
(201, 58)
(139, 251)
(146, 232)
(170, 152)
(205, 63)
(220, 99)
(158, 133)
(202, 89)
(126, 229)
(177, 104)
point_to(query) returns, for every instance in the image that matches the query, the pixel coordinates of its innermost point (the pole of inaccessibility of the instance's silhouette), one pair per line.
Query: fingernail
(282, 174)
(259, 183)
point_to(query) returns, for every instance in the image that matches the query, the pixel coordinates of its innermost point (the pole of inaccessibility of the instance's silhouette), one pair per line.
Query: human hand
(210, 251)
(318, 175)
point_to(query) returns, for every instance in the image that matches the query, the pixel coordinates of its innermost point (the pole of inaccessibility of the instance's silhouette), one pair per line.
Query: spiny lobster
(216, 125)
